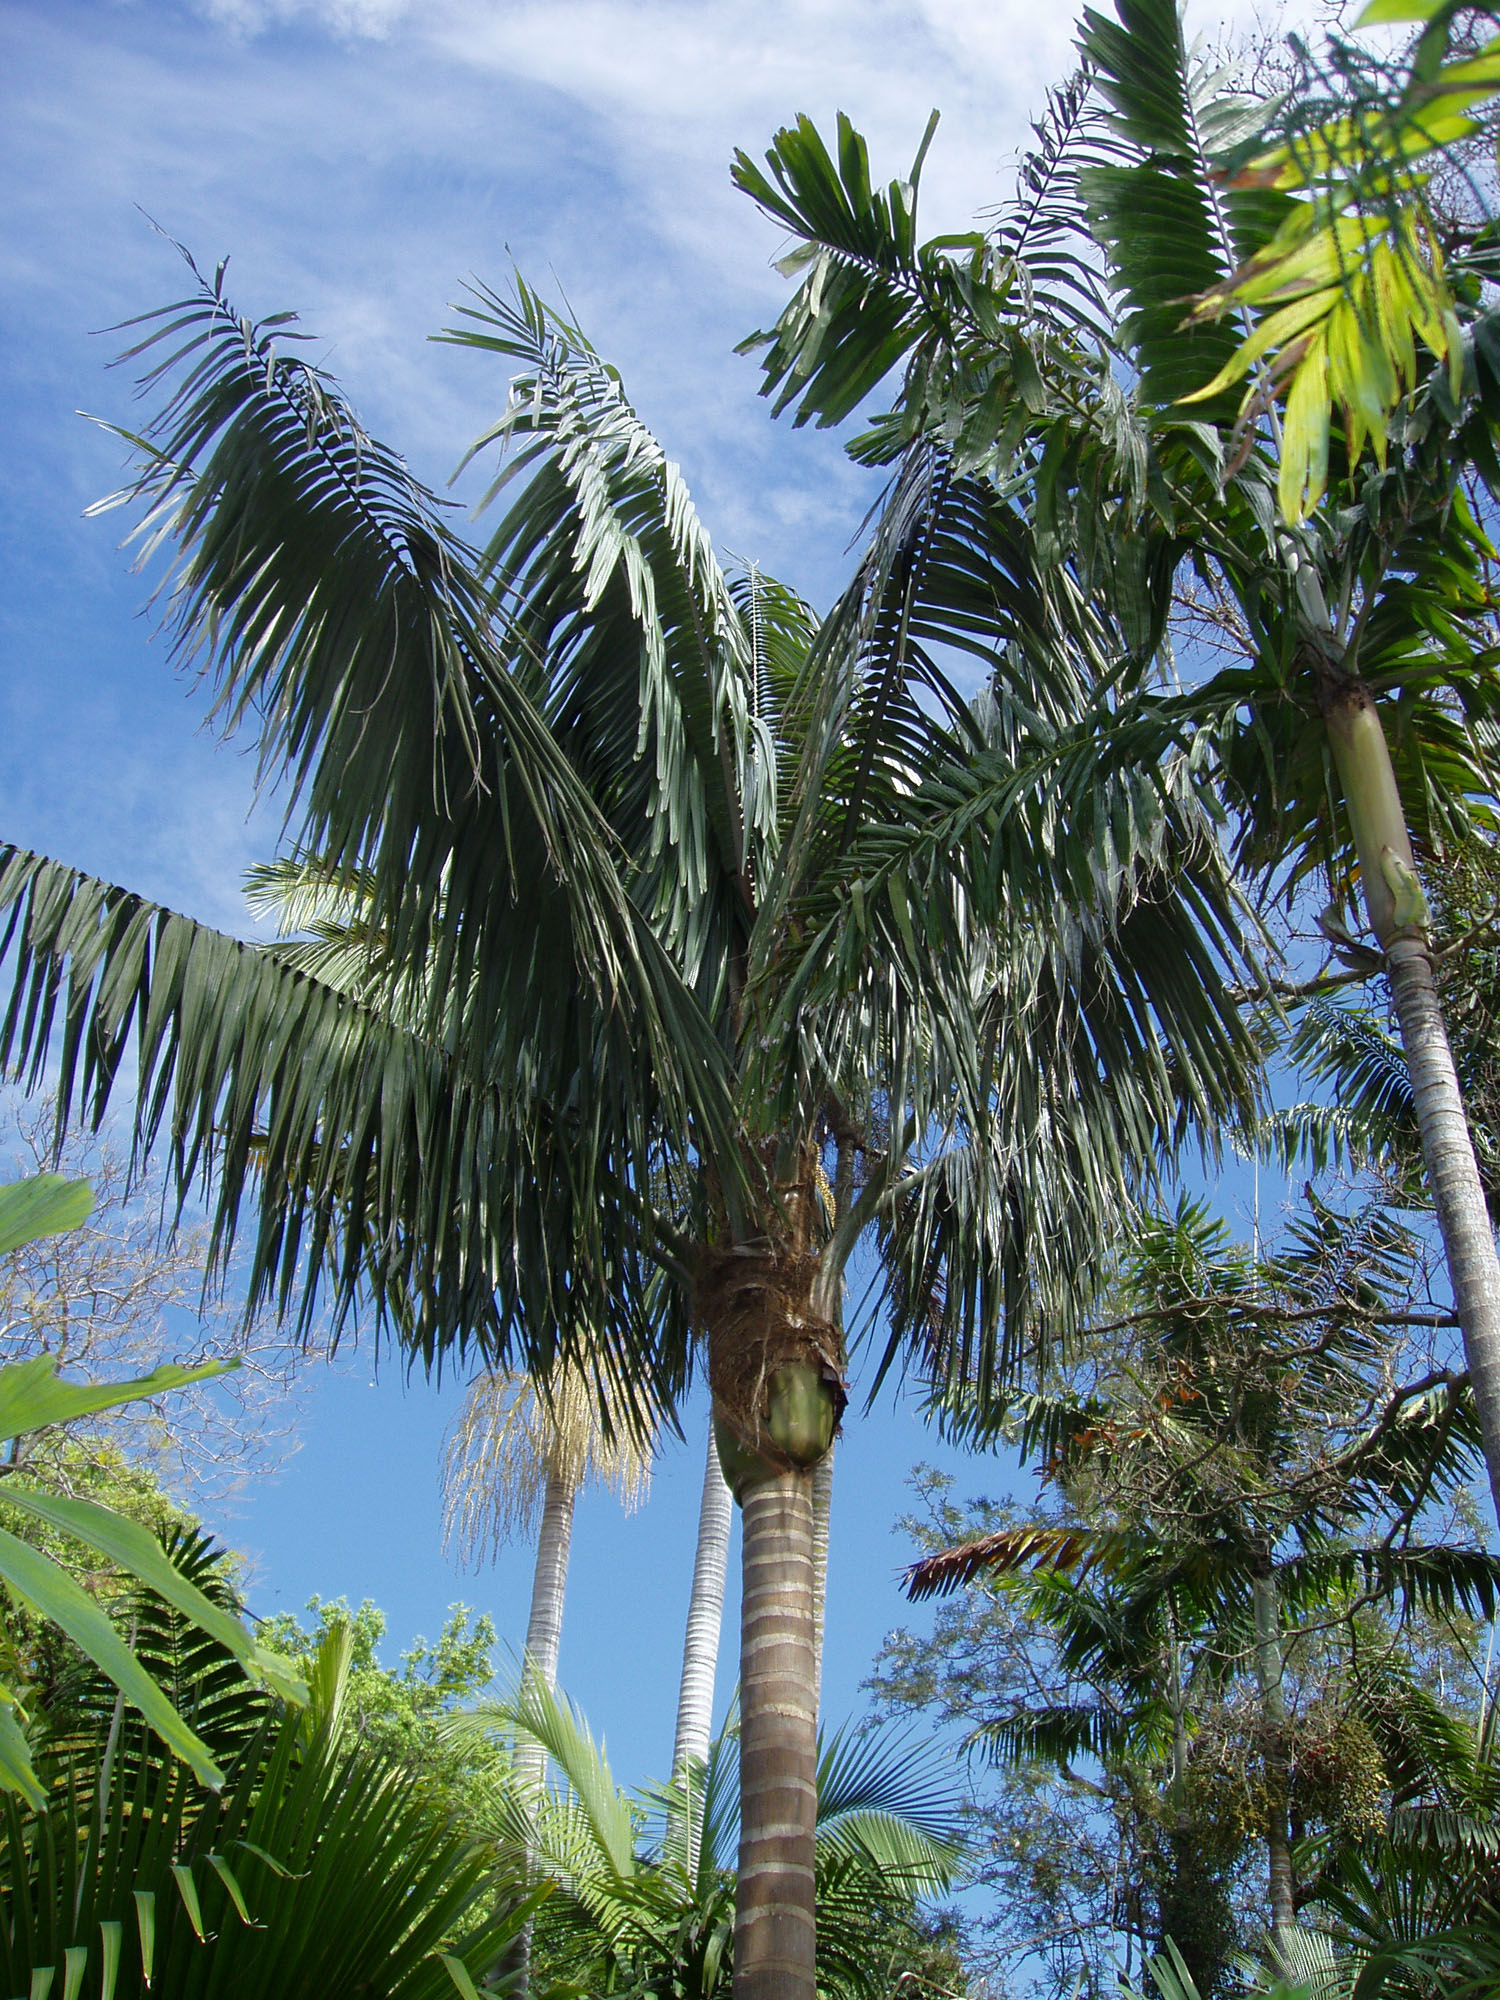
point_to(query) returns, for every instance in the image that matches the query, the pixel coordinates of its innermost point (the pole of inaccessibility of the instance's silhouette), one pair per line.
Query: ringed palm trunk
(822, 1500)
(1397, 914)
(775, 1364)
(549, 1584)
(700, 1651)
(775, 1903)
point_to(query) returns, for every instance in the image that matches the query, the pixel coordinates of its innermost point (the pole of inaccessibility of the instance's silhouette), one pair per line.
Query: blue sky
(356, 160)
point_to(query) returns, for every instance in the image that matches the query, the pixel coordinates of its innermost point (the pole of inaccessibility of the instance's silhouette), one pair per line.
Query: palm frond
(334, 1111)
(617, 615)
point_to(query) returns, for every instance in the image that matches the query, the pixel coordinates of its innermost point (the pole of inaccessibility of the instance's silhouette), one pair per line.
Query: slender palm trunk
(1398, 917)
(1179, 1716)
(1274, 1751)
(774, 1951)
(549, 1583)
(700, 1651)
(822, 1502)
(543, 1643)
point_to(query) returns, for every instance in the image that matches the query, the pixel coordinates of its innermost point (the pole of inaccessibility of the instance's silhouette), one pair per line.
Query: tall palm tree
(674, 894)
(1355, 725)
(515, 1462)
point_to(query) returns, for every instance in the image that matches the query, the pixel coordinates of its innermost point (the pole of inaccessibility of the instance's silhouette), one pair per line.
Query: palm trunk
(822, 1503)
(774, 1919)
(1398, 917)
(1179, 1717)
(544, 1628)
(543, 1643)
(700, 1651)
(1274, 1751)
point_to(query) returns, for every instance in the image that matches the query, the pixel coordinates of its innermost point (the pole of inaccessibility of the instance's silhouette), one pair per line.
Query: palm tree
(673, 894)
(514, 1463)
(1353, 728)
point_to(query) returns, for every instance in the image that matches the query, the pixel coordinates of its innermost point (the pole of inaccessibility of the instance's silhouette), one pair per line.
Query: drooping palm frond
(1007, 1550)
(1361, 276)
(618, 617)
(321, 590)
(318, 585)
(334, 1112)
(1169, 230)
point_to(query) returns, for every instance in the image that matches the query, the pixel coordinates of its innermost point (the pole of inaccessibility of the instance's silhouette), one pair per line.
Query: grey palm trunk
(1397, 914)
(549, 1584)
(700, 1650)
(1275, 1748)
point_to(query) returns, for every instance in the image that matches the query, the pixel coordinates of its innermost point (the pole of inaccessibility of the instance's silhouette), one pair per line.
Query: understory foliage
(641, 1885)
(320, 1865)
(1230, 1620)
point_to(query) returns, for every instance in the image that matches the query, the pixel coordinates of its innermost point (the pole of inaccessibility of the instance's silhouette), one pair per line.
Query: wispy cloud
(358, 158)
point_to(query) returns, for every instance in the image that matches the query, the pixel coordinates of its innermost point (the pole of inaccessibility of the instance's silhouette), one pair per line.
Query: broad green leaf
(145, 1921)
(33, 1394)
(458, 1972)
(51, 1592)
(110, 1935)
(1381, 11)
(41, 1981)
(16, 1772)
(236, 1894)
(75, 1964)
(135, 1549)
(45, 1205)
(187, 1888)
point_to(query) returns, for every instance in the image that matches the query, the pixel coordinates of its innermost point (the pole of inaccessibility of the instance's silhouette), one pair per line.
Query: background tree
(1189, 1639)
(123, 1292)
(400, 1711)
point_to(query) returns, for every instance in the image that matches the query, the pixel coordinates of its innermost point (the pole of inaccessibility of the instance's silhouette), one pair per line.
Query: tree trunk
(1398, 917)
(543, 1643)
(549, 1582)
(700, 1651)
(822, 1503)
(1274, 1751)
(774, 1949)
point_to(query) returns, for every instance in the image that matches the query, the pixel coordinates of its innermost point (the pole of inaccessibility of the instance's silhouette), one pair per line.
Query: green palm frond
(969, 316)
(1169, 230)
(619, 618)
(320, 1868)
(334, 1111)
(319, 586)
